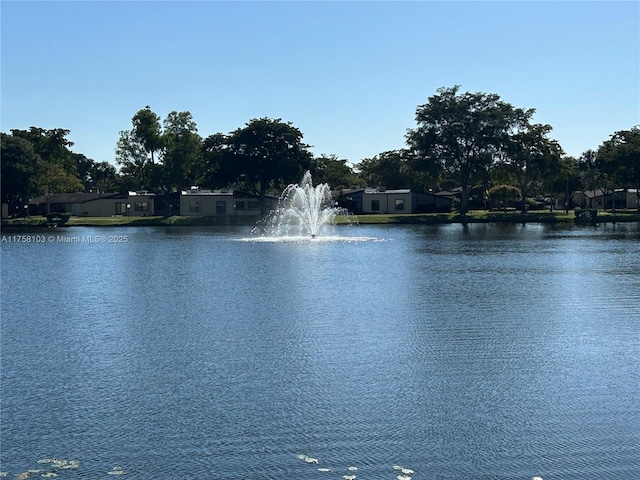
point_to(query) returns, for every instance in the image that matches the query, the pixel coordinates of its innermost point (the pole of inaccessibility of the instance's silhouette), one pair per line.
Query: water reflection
(492, 351)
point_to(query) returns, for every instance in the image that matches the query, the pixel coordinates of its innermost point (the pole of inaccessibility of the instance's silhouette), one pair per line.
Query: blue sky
(349, 75)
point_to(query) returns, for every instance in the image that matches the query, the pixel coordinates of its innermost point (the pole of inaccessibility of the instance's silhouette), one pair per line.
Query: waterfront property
(208, 203)
(619, 198)
(381, 200)
(140, 204)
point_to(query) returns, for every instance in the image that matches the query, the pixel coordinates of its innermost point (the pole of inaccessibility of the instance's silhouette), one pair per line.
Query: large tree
(333, 171)
(136, 149)
(209, 173)
(38, 162)
(18, 171)
(618, 158)
(135, 164)
(461, 134)
(182, 151)
(389, 168)
(52, 145)
(147, 131)
(263, 155)
(531, 157)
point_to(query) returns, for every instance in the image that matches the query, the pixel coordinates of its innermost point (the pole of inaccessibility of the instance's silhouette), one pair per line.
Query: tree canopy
(462, 134)
(264, 154)
(474, 142)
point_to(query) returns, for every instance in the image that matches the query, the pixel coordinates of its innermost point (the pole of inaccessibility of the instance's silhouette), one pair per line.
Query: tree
(182, 150)
(389, 168)
(619, 159)
(51, 145)
(566, 179)
(531, 157)
(146, 130)
(53, 179)
(210, 173)
(502, 195)
(333, 171)
(96, 176)
(461, 134)
(136, 148)
(265, 154)
(18, 171)
(135, 164)
(48, 162)
(597, 173)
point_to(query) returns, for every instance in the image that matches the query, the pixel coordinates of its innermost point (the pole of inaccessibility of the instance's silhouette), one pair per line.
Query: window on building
(240, 205)
(141, 206)
(194, 206)
(121, 208)
(375, 205)
(254, 205)
(221, 207)
(399, 204)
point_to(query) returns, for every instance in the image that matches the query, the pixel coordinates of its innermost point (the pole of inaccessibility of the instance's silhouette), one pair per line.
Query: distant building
(381, 200)
(139, 204)
(205, 203)
(620, 198)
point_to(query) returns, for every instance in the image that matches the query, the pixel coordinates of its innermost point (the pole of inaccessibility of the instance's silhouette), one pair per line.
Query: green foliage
(504, 192)
(147, 132)
(530, 156)
(619, 158)
(37, 162)
(333, 171)
(467, 140)
(182, 150)
(265, 154)
(390, 169)
(503, 196)
(461, 134)
(18, 170)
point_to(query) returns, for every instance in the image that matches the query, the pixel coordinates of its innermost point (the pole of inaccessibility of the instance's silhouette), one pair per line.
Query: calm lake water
(479, 352)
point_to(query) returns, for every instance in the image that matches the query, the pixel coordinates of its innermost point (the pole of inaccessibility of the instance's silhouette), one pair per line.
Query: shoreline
(407, 219)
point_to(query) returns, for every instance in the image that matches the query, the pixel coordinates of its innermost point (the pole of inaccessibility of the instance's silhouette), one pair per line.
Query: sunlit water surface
(479, 352)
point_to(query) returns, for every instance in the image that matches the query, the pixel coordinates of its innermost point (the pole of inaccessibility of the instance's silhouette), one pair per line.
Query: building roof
(198, 191)
(83, 197)
(601, 193)
(66, 198)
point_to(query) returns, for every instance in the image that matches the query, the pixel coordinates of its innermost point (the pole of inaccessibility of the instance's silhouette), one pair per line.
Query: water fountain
(304, 210)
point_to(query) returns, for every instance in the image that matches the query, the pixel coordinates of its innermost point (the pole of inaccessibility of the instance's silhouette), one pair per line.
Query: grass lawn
(476, 216)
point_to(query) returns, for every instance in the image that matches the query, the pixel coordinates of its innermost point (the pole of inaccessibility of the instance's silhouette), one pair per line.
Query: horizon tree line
(472, 141)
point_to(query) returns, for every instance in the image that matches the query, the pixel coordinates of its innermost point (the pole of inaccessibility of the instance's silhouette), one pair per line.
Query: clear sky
(349, 75)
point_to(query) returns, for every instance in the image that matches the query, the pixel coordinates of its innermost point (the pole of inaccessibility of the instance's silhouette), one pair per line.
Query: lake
(459, 352)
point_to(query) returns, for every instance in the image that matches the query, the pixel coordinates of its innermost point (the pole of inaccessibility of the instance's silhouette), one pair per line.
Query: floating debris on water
(403, 477)
(323, 469)
(307, 458)
(49, 475)
(407, 471)
(397, 467)
(349, 477)
(352, 469)
(116, 471)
